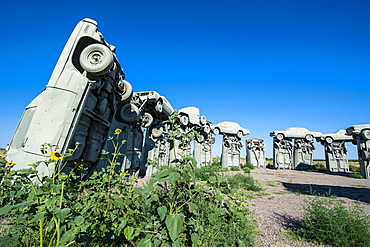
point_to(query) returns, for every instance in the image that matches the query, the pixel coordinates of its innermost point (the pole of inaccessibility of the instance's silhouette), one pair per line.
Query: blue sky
(267, 64)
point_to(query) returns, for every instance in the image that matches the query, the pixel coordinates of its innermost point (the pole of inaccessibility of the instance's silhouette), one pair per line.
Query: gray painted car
(230, 128)
(77, 105)
(295, 132)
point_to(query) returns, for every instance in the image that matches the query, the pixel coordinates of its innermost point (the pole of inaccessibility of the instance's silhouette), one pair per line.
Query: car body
(77, 105)
(192, 114)
(230, 128)
(339, 135)
(357, 129)
(295, 132)
(151, 105)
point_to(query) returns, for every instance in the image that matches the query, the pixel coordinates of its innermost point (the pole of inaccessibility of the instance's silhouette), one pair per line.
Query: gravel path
(280, 207)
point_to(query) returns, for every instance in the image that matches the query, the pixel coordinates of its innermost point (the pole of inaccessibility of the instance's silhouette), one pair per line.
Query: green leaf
(128, 232)
(9, 241)
(154, 197)
(61, 213)
(79, 220)
(68, 236)
(162, 211)
(38, 216)
(193, 207)
(194, 239)
(173, 177)
(145, 243)
(6, 209)
(174, 224)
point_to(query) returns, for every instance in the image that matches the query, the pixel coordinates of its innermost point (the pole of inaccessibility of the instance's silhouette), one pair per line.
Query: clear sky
(266, 64)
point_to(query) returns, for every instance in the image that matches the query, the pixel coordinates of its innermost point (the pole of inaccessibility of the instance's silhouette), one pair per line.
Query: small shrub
(235, 168)
(249, 165)
(327, 221)
(356, 175)
(247, 169)
(241, 181)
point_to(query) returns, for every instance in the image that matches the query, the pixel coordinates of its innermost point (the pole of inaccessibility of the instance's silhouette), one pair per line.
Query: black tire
(216, 131)
(130, 113)
(96, 59)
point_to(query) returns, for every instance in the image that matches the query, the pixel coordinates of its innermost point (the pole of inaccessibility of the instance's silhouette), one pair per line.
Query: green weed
(327, 221)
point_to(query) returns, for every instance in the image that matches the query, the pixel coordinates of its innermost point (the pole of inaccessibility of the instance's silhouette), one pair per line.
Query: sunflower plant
(110, 209)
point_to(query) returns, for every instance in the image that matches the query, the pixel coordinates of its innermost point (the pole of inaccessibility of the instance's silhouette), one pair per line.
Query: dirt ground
(280, 207)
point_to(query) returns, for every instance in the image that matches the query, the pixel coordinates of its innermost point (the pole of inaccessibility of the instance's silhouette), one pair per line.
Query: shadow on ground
(354, 193)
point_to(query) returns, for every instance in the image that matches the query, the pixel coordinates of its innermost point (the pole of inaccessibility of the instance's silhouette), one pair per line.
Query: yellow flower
(1, 156)
(80, 166)
(124, 173)
(10, 164)
(246, 204)
(190, 179)
(117, 131)
(56, 156)
(232, 202)
(112, 172)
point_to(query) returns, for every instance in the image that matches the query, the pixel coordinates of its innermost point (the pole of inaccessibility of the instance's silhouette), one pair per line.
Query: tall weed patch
(110, 209)
(327, 221)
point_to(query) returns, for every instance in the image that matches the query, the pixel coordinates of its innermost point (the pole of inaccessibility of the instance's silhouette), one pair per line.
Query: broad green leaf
(38, 216)
(67, 237)
(173, 177)
(154, 197)
(193, 207)
(194, 239)
(79, 220)
(174, 224)
(162, 211)
(9, 241)
(145, 243)
(128, 232)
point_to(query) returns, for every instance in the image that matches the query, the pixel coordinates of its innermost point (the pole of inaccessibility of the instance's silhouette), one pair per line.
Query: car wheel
(203, 120)
(227, 143)
(129, 113)
(200, 138)
(126, 89)
(96, 59)
(184, 120)
(239, 134)
(280, 136)
(207, 129)
(216, 131)
(329, 139)
(366, 134)
(147, 120)
(308, 138)
(159, 106)
(157, 131)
